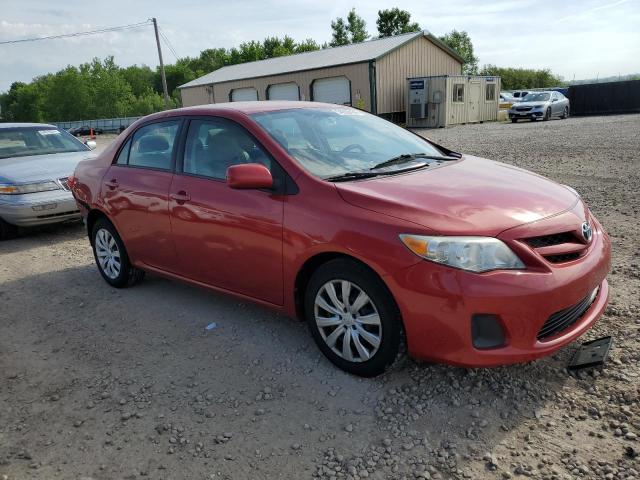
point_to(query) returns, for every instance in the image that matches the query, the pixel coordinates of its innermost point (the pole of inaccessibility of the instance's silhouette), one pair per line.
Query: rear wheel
(565, 113)
(111, 256)
(353, 318)
(7, 230)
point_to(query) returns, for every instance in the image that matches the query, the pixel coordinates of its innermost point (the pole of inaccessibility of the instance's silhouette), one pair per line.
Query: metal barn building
(439, 101)
(370, 75)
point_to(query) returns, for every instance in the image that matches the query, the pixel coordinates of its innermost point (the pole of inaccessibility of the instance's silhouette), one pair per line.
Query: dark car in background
(85, 130)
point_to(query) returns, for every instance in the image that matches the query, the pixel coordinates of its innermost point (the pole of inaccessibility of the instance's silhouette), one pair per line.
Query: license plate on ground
(591, 354)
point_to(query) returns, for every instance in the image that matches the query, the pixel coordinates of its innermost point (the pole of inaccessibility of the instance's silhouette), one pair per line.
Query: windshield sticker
(49, 132)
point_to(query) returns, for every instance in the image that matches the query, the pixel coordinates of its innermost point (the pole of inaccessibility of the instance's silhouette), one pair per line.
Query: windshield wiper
(407, 157)
(350, 176)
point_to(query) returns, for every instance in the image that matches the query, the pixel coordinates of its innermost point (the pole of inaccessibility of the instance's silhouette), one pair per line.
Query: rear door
(226, 238)
(136, 193)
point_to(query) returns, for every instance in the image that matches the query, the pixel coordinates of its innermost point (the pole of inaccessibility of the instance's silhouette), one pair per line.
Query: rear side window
(123, 156)
(152, 145)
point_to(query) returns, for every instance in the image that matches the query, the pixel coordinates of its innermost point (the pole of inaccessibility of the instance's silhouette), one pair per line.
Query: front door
(226, 238)
(136, 194)
(473, 106)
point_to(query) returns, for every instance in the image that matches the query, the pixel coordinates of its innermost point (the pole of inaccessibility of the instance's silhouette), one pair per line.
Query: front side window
(334, 141)
(45, 140)
(458, 92)
(152, 145)
(491, 92)
(214, 145)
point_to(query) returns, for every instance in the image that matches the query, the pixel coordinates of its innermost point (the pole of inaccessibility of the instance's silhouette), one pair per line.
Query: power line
(77, 34)
(168, 43)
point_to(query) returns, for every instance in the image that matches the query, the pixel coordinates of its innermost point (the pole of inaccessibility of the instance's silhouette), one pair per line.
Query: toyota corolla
(371, 234)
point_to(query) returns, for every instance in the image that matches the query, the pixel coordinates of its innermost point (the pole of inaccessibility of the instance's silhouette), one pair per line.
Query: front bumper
(535, 114)
(437, 304)
(38, 208)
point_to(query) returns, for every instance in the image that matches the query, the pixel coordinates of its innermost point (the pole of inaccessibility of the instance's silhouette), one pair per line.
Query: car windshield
(537, 97)
(24, 141)
(330, 142)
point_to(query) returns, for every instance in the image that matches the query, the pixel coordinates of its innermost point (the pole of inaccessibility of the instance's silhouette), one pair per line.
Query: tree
(357, 27)
(353, 30)
(309, 45)
(460, 42)
(519, 78)
(395, 22)
(340, 35)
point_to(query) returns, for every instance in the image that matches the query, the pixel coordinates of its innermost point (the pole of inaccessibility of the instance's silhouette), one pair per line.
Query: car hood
(472, 196)
(531, 104)
(34, 168)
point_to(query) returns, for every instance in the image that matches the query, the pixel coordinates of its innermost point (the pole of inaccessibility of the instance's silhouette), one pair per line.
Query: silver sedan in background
(540, 105)
(35, 162)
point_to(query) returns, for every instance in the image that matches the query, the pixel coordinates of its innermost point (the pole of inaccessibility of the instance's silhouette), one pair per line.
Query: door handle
(180, 197)
(112, 184)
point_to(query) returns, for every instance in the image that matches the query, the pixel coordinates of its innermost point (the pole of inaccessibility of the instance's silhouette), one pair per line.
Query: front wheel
(353, 318)
(111, 256)
(514, 120)
(547, 114)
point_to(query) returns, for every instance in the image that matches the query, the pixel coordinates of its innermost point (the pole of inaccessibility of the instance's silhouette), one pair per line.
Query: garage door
(332, 90)
(284, 91)
(244, 94)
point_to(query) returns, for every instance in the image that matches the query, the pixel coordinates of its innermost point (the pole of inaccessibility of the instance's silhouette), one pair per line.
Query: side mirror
(91, 144)
(249, 176)
(554, 100)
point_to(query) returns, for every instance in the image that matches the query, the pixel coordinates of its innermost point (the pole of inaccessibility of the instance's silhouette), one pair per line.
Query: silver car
(35, 163)
(540, 105)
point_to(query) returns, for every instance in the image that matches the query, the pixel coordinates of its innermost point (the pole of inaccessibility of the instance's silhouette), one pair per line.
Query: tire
(7, 230)
(111, 256)
(514, 120)
(547, 114)
(565, 113)
(377, 317)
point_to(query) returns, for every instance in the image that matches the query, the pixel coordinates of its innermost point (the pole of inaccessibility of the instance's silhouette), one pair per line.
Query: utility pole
(164, 77)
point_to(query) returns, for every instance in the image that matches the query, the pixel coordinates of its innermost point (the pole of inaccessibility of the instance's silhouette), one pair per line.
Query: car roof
(27, 125)
(247, 108)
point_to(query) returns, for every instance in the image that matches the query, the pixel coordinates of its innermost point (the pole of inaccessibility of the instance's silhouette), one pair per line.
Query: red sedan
(370, 233)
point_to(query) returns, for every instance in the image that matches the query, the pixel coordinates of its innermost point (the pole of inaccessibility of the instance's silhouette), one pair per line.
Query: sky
(576, 39)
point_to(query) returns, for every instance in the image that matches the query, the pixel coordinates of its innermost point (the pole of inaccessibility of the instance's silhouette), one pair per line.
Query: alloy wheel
(348, 320)
(108, 253)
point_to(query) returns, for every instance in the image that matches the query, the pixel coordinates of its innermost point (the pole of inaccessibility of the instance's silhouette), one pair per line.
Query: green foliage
(339, 35)
(353, 30)
(395, 22)
(460, 43)
(102, 89)
(521, 78)
(357, 27)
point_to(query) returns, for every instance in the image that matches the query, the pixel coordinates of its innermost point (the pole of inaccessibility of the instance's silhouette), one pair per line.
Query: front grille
(563, 319)
(549, 240)
(64, 183)
(523, 109)
(564, 257)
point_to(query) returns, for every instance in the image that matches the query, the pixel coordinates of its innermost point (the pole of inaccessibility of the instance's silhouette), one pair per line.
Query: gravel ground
(104, 384)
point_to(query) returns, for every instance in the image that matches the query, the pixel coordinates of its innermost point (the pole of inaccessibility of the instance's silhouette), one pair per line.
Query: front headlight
(21, 188)
(476, 254)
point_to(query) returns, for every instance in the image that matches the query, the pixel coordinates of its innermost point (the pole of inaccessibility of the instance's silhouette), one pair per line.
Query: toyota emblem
(587, 232)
